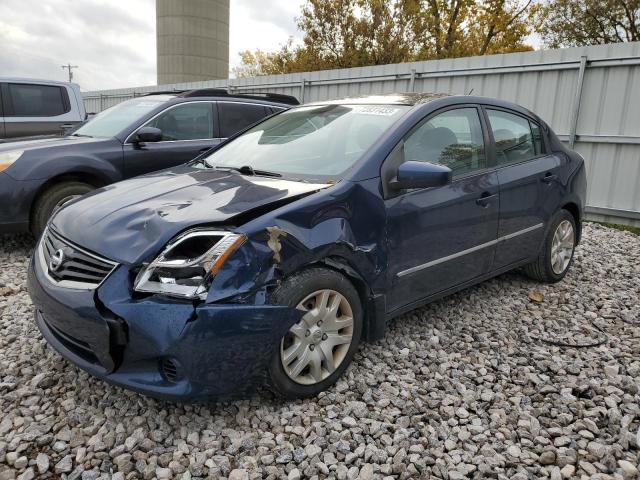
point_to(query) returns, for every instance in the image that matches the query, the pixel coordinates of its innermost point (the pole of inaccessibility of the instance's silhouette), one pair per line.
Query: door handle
(485, 199)
(549, 178)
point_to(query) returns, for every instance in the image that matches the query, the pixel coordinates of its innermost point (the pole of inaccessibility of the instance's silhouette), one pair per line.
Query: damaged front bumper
(164, 348)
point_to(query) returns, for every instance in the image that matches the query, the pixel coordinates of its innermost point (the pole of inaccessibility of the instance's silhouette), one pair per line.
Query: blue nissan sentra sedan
(270, 259)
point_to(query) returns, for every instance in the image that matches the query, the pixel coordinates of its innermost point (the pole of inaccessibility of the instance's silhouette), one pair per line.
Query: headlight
(7, 158)
(187, 265)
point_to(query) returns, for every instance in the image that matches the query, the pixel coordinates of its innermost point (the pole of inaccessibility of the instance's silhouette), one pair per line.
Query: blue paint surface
(223, 344)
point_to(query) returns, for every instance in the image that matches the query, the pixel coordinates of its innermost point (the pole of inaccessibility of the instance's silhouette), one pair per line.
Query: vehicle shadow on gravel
(16, 243)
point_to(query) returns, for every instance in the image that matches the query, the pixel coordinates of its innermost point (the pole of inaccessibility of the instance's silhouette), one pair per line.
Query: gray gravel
(466, 387)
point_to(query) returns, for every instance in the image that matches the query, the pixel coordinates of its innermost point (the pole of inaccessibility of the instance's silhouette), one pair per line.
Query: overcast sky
(113, 42)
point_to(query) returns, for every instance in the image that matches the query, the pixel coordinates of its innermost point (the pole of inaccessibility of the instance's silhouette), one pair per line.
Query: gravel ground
(467, 387)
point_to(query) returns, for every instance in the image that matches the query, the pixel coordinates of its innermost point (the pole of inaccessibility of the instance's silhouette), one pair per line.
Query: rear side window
(187, 121)
(513, 137)
(238, 116)
(29, 100)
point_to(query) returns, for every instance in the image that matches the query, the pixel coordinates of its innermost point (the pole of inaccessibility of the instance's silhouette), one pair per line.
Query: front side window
(187, 121)
(319, 142)
(38, 100)
(453, 139)
(114, 120)
(512, 135)
(238, 116)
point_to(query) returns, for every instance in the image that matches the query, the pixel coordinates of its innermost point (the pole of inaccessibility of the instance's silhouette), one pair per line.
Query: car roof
(34, 80)
(263, 98)
(421, 99)
(232, 99)
(410, 99)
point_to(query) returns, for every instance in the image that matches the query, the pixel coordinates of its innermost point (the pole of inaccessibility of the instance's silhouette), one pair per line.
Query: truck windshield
(112, 121)
(319, 142)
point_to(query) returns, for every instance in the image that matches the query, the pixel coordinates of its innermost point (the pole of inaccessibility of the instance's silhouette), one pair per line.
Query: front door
(445, 236)
(530, 187)
(187, 129)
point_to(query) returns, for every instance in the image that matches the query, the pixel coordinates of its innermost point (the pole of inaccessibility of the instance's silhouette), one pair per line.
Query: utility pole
(70, 68)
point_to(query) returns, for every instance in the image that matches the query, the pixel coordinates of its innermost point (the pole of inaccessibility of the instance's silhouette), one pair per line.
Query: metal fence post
(576, 101)
(302, 87)
(412, 80)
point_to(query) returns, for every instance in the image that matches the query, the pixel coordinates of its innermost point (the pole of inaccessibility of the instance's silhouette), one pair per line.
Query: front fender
(345, 222)
(55, 166)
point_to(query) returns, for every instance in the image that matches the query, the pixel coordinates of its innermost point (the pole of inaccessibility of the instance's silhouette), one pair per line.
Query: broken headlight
(187, 265)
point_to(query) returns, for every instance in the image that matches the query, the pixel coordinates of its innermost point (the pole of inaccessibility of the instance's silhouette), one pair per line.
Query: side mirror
(149, 134)
(420, 175)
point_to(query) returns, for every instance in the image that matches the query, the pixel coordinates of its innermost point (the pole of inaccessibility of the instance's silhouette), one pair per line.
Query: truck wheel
(52, 199)
(556, 254)
(315, 352)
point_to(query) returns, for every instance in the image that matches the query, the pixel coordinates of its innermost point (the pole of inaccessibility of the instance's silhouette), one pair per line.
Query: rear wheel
(556, 254)
(53, 199)
(315, 352)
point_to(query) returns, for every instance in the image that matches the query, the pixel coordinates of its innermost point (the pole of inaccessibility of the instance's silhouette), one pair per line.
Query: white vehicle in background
(32, 108)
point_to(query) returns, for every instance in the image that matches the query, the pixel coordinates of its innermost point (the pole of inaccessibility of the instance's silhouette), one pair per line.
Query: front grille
(70, 265)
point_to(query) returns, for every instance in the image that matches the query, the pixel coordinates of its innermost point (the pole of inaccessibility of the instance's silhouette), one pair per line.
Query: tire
(51, 199)
(543, 268)
(308, 286)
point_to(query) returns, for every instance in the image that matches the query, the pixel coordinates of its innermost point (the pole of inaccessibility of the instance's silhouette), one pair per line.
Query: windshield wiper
(80, 135)
(248, 170)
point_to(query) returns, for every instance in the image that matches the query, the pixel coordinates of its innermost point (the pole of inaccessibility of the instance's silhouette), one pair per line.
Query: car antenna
(470, 91)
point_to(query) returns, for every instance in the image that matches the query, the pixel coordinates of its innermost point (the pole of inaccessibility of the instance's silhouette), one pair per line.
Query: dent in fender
(311, 231)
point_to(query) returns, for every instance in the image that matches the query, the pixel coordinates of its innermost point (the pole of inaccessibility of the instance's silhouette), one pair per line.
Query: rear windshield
(315, 142)
(112, 121)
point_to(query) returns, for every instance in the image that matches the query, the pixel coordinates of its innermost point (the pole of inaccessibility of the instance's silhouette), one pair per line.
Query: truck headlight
(8, 158)
(188, 263)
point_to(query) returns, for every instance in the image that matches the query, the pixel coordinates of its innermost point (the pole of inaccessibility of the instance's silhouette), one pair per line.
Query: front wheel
(556, 254)
(52, 200)
(315, 352)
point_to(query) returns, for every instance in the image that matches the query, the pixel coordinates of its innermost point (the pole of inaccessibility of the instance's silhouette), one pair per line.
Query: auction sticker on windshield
(377, 110)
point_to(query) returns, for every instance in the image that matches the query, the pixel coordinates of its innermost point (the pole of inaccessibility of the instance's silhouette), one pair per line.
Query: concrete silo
(192, 40)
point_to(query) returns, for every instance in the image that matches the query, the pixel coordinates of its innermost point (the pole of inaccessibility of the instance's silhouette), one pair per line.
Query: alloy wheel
(562, 247)
(315, 347)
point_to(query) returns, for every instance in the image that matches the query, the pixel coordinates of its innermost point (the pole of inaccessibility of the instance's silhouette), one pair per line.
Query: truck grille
(69, 265)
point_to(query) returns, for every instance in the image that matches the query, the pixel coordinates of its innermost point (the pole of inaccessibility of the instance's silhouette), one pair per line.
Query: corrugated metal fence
(589, 95)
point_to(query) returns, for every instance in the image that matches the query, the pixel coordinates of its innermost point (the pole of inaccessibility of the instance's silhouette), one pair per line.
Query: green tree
(568, 23)
(458, 28)
(353, 33)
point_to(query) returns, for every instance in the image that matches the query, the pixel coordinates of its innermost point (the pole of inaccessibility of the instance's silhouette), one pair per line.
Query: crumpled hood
(132, 220)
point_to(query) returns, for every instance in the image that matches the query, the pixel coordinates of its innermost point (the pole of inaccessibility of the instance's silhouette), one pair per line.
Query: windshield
(315, 142)
(112, 121)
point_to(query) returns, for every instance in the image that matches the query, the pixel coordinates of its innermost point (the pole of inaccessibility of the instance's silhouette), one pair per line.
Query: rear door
(529, 184)
(236, 116)
(188, 129)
